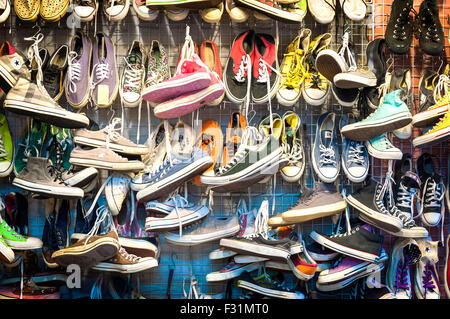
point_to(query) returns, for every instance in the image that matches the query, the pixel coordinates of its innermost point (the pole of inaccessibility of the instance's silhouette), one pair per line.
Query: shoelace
(9, 229)
(73, 71)
(112, 131)
(33, 54)
(356, 153)
(101, 71)
(297, 71)
(442, 89)
(295, 153)
(56, 173)
(3, 152)
(402, 275)
(347, 54)
(346, 234)
(427, 278)
(133, 76)
(438, 125)
(327, 156)
(128, 256)
(405, 198)
(399, 26)
(244, 70)
(102, 214)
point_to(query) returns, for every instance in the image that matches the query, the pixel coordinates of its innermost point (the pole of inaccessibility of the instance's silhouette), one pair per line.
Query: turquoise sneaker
(6, 148)
(6, 253)
(380, 147)
(392, 114)
(17, 241)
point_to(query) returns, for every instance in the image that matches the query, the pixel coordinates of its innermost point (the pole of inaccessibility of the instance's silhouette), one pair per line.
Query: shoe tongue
(135, 60)
(326, 136)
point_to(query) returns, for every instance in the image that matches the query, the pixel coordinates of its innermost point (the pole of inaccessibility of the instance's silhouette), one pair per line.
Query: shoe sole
(6, 254)
(200, 239)
(168, 184)
(271, 12)
(168, 90)
(189, 103)
(57, 192)
(253, 249)
(82, 178)
(58, 16)
(222, 276)
(303, 215)
(367, 131)
(417, 232)
(166, 224)
(130, 150)
(22, 245)
(219, 254)
(51, 115)
(143, 16)
(354, 179)
(432, 138)
(329, 63)
(142, 265)
(353, 81)
(375, 218)
(383, 155)
(91, 254)
(138, 166)
(268, 292)
(247, 259)
(343, 249)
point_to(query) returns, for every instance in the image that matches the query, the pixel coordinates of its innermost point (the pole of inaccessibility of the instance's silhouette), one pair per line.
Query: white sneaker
(116, 191)
(182, 139)
(426, 280)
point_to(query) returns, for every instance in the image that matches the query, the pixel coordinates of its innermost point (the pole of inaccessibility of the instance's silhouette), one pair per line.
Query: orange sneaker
(236, 127)
(210, 139)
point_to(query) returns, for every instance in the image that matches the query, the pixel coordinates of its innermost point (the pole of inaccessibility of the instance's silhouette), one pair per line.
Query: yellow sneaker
(27, 10)
(439, 133)
(315, 86)
(53, 10)
(293, 70)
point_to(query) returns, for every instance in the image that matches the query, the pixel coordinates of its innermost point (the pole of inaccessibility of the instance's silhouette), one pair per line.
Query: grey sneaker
(103, 158)
(182, 139)
(76, 83)
(40, 176)
(323, 200)
(210, 229)
(355, 79)
(172, 173)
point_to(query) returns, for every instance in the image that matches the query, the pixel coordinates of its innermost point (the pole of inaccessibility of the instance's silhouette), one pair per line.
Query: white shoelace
(261, 221)
(101, 71)
(327, 155)
(441, 89)
(102, 214)
(128, 256)
(347, 54)
(73, 71)
(133, 76)
(356, 154)
(3, 152)
(405, 198)
(112, 130)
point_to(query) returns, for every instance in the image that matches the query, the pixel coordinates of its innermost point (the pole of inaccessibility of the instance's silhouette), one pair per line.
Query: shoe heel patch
(103, 94)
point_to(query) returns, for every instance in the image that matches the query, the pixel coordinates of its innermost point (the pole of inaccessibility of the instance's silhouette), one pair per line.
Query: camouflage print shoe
(158, 68)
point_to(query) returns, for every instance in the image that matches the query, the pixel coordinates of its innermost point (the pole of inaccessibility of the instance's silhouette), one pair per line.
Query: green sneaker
(392, 114)
(31, 145)
(17, 241)
(6, 253)
(6, 148)
(58, 146)
(381, 147)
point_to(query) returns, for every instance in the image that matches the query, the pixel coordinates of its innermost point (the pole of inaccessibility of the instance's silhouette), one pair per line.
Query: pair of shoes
(289, 11)
(49, 10)
(194, 84)
(324, 11)
(427, 24)
(252, 68)
(413, 269)
(115, 10)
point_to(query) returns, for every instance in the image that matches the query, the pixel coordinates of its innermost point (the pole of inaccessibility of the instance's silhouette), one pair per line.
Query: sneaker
(401, 79)
(53, 11)
(178, 14)
(392, 114)
(116, 191)
(221, 253)
(427, 84)
(27, 10)
(325, 153)
(132, 80)
(126, 263)
(359, 78)
(355, 157)
(230, 271)
(321, 254)
(431, 38)
(209, 54)
(235, 129)
(237, 14)
(292, 138)
(110, 137)
(212, 14)
(399, 272)
(172, 173)
(346, 271)
(439, 133)
(6, 148)
(315, 87)
(6, 253)
(447, 267)
(16, 241)
(183, 214)
(322, 11)
(426, 278)
(382, 148)
(267, 286)
(116, 10)
(293, 70)
(166, 207)
(104, 80)
(144, 12)
(77, 82)
(40, 106)
(432, 189)
(274, 10)
(13, 67)
(41, 176)
(376, 59)
(209, 229)
(355, 11)
(345, 97)
(85, 10)
(182, 139)
(360, 243)
(238, 69)
(323, 200)
(157, 65)
(55, 71)
(398, 31)
(103, 158)
(5, 10)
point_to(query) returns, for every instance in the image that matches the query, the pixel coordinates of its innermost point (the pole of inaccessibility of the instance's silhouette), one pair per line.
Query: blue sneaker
(355, 158)
(173, 173)
(49, 242)
(381, 147)
(62, 223)
(325, 152)
(392, 114)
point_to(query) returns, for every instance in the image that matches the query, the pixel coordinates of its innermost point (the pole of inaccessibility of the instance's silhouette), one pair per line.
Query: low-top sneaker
(382, 148)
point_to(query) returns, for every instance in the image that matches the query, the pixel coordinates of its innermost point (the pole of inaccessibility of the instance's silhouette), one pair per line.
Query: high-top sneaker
(398, 31)
(17, 241)
(6, 148)
(292, 138)
(426, 279)
(431, 38)
(12, 67)
(132, 80)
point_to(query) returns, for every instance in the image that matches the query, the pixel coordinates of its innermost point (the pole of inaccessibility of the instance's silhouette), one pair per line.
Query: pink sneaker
(191, 75)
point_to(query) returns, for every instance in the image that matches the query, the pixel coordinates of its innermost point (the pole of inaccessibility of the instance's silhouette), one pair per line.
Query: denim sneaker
(49, 241)
(381, 147)
(172, 173)
(325, 152)
(392, 114)
(355, 157)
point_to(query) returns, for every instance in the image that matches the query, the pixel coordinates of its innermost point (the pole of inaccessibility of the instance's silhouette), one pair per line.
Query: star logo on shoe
(16, 63)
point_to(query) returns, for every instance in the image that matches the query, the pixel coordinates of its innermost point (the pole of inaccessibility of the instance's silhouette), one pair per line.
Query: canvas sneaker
(235, 130)
(439, 133)
(12, 67)
(116, 191)
(392, 114)
(353, 79)
(54, 72)
(16, 241)
(85, 10)
(116, 10)
(237, 14)
(325, 152)
(132, 80)
(27, 10)
(103, 158)
(275, 10)
(157, 65)
(292, 139)
(126, 263)
(431, 39)
(400, 270)
(355, 157)
(53, 11)
(177, 14)
(427, 84)
(230, 271)
(382, 148)
(398, 33)
(360, 243)
(144, 12)
(209, 54)
(6, 148)
(167, 206)
(320, 201)
(426, 278)
(6, 253)
(322, 10)
(182, 138)
(172, 173)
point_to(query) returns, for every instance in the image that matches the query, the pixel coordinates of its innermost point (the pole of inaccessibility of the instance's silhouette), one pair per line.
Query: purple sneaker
(77, 78)
(104, 77)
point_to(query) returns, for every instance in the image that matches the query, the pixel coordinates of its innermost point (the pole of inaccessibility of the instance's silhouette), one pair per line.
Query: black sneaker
(360, 243)
(427, 84)
(345, 97)
(54, 72)
(431, 38)
(376, 59)
(398, 31)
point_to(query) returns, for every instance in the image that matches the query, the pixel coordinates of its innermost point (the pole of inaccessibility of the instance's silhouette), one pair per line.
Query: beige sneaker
(126, 263)
(237, 14)
(12, 67)
(109, 137)
(103, 158)
(212, 15)
(323, 11)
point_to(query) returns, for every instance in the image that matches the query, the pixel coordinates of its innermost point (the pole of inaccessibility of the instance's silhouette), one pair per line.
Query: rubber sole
(165, 224)
(253, 249)
(352, 81)
(269, 292)
(383, 155)
(192, 241)
(120, 166)
(426, 118)
(56, 192)
(303, 215)
(272, 12)
(329, 63)
(230, 274)
(142, 265)
(113, 146)
(432, 138)
(223, 253)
